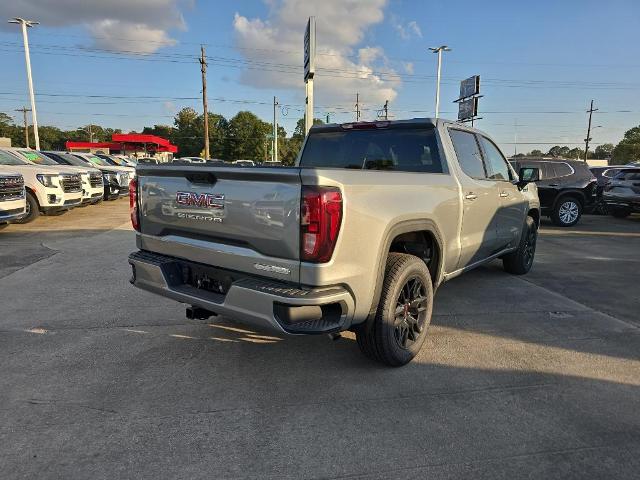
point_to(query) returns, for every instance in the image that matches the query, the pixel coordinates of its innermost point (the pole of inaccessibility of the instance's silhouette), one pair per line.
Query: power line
(353, 55)
(332, 72)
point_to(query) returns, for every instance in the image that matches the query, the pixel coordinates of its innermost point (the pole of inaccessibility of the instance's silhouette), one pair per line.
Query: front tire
(567, 212)
(32, 211)
(520, 261)
(398, 331)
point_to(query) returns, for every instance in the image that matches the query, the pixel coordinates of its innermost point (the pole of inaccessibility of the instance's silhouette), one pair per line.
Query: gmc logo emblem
(203, 200)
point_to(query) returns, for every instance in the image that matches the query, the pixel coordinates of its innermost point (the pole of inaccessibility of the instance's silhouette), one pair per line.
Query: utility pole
(34, 118)
(275, 129)
(439, 50)
(386, 110)
(515, 137)
(24, 111)
(357, 107)
(203, 69)
(588, 139)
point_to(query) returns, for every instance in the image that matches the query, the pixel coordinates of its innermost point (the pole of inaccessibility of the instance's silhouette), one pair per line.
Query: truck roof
(410, 122)
(380, 123)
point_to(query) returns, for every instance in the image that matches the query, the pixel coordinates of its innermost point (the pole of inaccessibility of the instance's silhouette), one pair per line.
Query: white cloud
(125, 36)
(408, 67)
(123, 25)
(413, 27)
(342, 67)
(406, 31)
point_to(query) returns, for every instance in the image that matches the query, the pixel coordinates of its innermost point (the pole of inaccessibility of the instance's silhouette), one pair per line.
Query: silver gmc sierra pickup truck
(357, 236)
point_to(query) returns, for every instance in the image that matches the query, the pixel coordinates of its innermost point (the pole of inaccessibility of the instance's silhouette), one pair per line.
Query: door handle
(554, 184)
(471, 196)
(504, 194)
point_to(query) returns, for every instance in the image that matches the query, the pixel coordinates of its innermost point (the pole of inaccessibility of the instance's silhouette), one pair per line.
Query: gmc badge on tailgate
(205, 201)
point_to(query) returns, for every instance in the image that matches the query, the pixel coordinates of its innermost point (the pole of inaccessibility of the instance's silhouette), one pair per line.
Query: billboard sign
(470, 86)
(310, 49)
(467, 108)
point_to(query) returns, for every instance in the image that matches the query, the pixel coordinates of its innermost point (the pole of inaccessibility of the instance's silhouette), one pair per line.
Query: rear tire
(620, 212)
(33, 209)
(398, 331)
(520, 261)
(567, 212)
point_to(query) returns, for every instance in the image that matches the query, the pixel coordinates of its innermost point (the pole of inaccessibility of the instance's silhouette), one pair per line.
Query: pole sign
(467, 109)
(470, 87)
(310, 49)
(468, 101)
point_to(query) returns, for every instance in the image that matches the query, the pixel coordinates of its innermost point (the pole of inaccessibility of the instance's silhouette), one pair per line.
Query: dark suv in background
(622, 193)
(566, 188)
(603, 176)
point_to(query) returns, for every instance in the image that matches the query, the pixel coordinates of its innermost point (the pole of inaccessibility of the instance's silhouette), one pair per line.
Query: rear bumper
(623, 201)
(262, 303)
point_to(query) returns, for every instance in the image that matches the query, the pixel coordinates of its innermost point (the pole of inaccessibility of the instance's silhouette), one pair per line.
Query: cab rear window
(404, 150)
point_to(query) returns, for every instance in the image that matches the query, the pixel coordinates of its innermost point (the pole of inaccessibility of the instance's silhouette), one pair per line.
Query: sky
(133, 63)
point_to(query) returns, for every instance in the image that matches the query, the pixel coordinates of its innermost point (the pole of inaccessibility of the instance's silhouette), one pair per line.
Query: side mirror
(528, 175)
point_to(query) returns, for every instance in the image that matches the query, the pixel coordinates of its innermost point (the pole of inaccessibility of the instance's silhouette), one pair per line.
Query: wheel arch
(422, 232)
(33, 193)
(535, 214)
(579, 195)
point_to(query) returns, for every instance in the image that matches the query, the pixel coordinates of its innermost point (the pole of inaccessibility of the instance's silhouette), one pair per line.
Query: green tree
(218, 131)
(10, 130)
(164, 131)
(294, 143)
(186, 135)
(628, 150)
(603, 151)
(575, 153)
(247, 137)
(51, 138)
(536, 153)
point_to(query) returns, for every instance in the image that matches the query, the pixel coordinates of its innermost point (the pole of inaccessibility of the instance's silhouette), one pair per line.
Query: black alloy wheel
(411, 313)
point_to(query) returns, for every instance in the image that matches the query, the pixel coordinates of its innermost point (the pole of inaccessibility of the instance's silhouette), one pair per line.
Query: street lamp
(34, 118)
(88, 130)
(439, 50)
(587, 140)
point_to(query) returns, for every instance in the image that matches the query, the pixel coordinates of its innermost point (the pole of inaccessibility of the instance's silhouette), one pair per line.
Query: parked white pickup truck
(12, 196)
(91, 177)
(49, 189)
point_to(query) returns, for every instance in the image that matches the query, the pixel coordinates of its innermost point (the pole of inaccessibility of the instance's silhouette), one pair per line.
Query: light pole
(34, 118)
(588, 139)
(439, 50)
(88, 130)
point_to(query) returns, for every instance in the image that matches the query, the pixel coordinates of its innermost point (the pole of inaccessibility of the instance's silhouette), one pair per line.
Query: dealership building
(131, 144)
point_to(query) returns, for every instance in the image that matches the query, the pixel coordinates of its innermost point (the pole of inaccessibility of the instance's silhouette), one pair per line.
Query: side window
(547, 170)
(468, 153)
(562, 169)
(496, 161)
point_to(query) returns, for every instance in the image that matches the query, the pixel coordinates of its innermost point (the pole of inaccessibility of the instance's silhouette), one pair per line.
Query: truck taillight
(320, 219)
(133, 204)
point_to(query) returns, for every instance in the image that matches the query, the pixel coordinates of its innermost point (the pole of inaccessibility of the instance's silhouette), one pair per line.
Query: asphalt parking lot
(521, 377)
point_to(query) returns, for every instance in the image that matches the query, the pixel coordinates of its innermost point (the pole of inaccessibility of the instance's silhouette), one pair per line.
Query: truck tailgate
(238, 218)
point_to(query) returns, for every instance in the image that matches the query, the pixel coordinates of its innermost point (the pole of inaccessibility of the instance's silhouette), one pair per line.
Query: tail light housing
(133, 204)
(320, 220)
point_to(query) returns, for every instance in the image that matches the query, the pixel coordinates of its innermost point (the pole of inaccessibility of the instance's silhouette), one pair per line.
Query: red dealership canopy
(129, 142)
